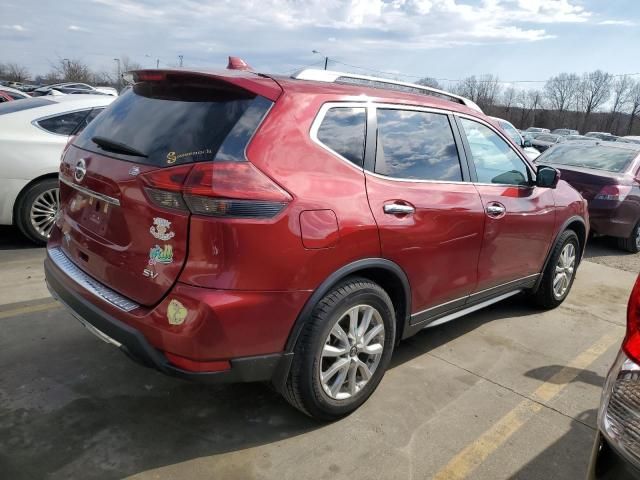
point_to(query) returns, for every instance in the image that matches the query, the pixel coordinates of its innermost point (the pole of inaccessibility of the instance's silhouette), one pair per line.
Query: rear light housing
(616, 193)
(217, 189)
(631, 344)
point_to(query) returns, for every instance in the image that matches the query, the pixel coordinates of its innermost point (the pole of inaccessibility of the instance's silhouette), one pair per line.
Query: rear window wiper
(117, 147)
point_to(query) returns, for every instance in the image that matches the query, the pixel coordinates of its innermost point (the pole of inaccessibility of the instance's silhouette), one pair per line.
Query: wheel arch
(579, 226)
(23, 191)
(389, 275)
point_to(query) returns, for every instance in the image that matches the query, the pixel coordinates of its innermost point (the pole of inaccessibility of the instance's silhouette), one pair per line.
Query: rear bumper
(607, 464)
(615, 221)
(133, 342)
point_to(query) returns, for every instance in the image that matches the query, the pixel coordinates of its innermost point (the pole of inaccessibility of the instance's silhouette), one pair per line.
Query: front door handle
(496, 210)
(398, 209)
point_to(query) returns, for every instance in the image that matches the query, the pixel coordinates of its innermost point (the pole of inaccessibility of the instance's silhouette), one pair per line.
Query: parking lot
(507, 392)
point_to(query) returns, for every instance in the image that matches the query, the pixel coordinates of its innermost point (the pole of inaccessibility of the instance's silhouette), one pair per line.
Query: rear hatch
(124, 220)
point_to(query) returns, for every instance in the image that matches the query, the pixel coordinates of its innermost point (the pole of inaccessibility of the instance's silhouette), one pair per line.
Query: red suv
(235, 226)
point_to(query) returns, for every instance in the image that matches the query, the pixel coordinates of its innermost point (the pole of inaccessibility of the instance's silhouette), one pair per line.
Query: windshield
(599, 157)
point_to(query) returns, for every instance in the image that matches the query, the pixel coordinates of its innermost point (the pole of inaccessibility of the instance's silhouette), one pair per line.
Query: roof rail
(379, 82)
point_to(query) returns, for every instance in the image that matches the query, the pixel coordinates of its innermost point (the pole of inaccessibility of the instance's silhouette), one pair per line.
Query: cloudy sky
(515, 39)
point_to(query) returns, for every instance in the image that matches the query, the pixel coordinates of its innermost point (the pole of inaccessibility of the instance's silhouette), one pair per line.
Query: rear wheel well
(391, 284)
(26, 188)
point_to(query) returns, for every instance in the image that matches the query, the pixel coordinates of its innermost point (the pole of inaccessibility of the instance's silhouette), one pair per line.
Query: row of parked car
(13, 90)
(234, 226)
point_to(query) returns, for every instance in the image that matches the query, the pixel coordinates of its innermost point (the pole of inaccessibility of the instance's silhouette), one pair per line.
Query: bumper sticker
(176, 312)
(160, 229)
(158, 254)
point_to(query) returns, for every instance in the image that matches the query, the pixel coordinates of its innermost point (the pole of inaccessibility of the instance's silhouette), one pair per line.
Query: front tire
(560, 272)
(36, 210)
(632, 242)
(343, 350)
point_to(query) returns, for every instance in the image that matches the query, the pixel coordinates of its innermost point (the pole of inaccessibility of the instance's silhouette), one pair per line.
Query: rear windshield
(23, 104)
(176, 123)
(611, 159)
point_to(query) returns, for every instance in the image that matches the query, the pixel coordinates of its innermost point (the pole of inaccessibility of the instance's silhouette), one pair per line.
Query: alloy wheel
(352, 352)
(43, 211)
(564, 270)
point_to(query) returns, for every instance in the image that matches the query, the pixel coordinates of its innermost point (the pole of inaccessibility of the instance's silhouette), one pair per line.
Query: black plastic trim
(135, 345)
(335, 277)
(564, 226)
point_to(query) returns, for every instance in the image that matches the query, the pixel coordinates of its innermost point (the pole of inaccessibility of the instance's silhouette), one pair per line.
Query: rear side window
(343, 131)
(64, 124)
(24, 104)
(416, 145)
(176, 123)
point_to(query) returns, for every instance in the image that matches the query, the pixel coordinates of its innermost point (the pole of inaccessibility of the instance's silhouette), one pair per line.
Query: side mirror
(526, 143)
(547, 177)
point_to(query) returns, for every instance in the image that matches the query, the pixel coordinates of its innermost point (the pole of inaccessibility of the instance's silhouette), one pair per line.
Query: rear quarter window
(343, 131)
(64, 124)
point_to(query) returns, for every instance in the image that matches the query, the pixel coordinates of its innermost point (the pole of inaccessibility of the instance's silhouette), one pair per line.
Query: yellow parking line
(472, 456)
(30, 309)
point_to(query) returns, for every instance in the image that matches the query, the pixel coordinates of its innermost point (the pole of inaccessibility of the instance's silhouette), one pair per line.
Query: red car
(607, 174)
(616, 450)
(235, 226)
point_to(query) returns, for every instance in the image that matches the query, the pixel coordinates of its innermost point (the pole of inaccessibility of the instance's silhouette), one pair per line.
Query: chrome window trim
(417, 180)
(315, 126)
(504, 137)
(36, 123)
(91, 193)
(92, 285)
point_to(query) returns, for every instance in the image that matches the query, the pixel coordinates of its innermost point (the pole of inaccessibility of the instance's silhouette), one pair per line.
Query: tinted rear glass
(343, 131)
(178, 123)
(24, 104)
(611, 159)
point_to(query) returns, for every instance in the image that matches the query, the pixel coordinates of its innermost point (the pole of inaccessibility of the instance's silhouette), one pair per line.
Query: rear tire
(36, 209)
(560, 272)
(632, 242)
(338, 364)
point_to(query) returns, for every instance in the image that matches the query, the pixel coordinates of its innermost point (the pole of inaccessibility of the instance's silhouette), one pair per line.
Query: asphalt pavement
(505, 393)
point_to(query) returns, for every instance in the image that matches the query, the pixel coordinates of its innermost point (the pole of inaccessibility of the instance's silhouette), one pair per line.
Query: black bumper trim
(135, 345)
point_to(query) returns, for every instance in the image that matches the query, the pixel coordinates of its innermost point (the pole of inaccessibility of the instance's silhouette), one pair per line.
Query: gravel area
(603, 250)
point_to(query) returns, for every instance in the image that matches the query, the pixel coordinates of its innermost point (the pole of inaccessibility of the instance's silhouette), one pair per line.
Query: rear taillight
(233, 189)
(631, 344)
(613, 192)
(219, 189)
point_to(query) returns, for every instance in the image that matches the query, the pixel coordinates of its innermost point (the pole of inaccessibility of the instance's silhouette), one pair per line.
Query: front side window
(343, 131)
(64, 124)
(416, 145)
(494, 159)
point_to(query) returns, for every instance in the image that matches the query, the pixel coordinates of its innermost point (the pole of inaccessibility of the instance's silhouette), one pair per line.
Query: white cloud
(623, 23)
(76, 28)
(17, 28)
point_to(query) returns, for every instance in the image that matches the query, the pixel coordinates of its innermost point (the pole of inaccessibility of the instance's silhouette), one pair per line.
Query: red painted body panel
(516, 244)
(438, 245)
(244, 282)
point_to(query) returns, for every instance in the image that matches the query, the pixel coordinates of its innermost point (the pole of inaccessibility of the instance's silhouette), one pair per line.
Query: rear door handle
(496, 210)
(398, 209)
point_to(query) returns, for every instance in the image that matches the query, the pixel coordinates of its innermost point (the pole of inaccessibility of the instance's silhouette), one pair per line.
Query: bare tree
(127, 64)
(72, 70)
(484, 90)
(509, 97)
(595, 90)
(634, 111)
(621, 97)
(429, 82)
(560, 92)
(14, 72)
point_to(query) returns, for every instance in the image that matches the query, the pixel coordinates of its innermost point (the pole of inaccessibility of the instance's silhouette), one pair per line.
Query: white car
(513, 133)
(71, 87)
(33, 133)
(8, 94)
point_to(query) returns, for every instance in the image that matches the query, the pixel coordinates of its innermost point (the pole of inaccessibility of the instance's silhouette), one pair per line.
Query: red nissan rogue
(235, 226)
